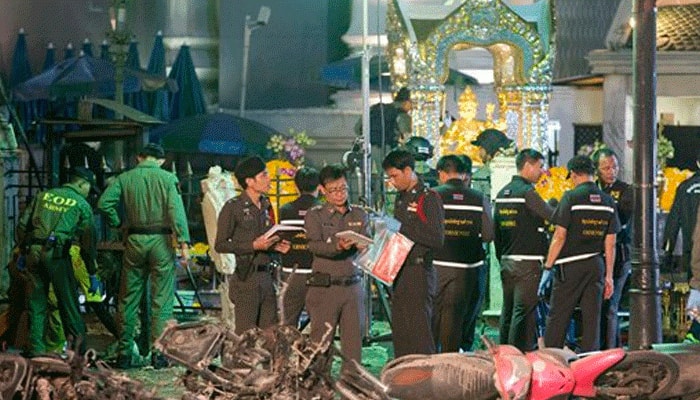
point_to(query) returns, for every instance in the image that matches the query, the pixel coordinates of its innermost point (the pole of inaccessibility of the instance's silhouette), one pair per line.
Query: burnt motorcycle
(51, 377)
(505, 372)
(275, 363)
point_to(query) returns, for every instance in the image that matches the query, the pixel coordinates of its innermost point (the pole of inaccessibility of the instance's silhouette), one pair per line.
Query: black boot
(123, 362)
(159, 361)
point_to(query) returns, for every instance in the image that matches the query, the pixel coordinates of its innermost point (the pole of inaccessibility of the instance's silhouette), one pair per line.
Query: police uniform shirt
(422, 218)
(240, 223)
(467, 225)
(322, 222)
(293, 214)
(588, 215)
(519, 216)
(621, 193)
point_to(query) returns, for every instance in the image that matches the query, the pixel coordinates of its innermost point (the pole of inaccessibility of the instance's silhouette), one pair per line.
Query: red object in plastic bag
(383, 259)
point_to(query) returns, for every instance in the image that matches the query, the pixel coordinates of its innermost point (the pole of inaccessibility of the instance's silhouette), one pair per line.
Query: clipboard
(279, 228)
(355, 237)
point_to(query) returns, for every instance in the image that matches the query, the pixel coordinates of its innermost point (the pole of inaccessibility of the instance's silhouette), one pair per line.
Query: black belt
(158, 230)
(346, 280)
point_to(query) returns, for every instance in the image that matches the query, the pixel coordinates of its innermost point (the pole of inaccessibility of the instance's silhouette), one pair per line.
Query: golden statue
(458, 137)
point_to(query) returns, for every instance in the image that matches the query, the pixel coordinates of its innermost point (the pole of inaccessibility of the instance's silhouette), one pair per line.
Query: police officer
(153, 210)
(53, 220)
(296, 264)
(521, 244)
(336, 296)
(683, 218)
(586, 226)
(422, 217)
(607, 168)
(241, 230)
(459, 264)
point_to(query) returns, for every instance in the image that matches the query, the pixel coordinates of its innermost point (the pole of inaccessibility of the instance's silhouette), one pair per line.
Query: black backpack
(386, 113)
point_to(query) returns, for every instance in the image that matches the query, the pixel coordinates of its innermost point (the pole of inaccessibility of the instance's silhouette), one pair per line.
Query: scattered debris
(75, 378)
(275, 363)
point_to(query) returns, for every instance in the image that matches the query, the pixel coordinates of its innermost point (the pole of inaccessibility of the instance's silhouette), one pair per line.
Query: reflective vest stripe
(522, 257)
(453, 264)
(586, 207)
(510, 200)
(463, 208)
(575, 258)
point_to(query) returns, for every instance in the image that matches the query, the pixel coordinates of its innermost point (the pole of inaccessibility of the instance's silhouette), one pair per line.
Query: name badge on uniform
(595, 198)
(357, 223)
(457, 196)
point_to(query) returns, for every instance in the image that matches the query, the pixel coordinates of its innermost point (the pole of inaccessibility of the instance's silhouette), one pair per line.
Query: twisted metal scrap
(51, 377)
(276, 363)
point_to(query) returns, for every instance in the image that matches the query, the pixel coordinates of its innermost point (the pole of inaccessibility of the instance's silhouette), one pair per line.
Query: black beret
(153, 150)
(403, 95)
(248, 168)
(492, 140)
(83, 173)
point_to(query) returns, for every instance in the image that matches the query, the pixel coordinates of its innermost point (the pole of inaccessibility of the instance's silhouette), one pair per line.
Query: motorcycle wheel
(642, 374)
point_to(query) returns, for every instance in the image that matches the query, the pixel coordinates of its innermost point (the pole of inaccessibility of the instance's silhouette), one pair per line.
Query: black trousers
(412, 309)
(255, 301)
(475, 299)
(458, 296)
(294, 297)
(520, 280)
(582, 285)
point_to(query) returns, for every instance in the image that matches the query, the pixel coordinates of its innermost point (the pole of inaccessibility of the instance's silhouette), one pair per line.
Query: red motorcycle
(504, 371)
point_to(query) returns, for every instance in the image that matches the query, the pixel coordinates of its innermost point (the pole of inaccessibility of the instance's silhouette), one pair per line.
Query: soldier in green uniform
(154, 211)
(53, 220)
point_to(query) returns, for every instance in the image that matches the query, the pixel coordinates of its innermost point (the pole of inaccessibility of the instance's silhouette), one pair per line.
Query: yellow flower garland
(672, 177)
(554, 183)
(282, 174)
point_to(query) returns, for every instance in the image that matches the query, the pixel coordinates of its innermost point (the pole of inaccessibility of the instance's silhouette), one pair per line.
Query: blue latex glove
(545, 282)
(21, 262)
(95, 284)
(693, 305)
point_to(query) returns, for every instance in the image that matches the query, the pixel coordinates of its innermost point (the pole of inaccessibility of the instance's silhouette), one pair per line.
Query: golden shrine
(458, 137)
(520, 39)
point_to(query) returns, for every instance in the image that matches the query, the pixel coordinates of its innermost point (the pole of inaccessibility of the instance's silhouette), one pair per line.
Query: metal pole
(366, 145)
(645, 292)
(244, 70)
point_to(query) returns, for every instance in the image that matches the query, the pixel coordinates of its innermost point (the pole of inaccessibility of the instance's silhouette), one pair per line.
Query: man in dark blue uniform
(420, 212)
(296, 264)
(460, 262)
(683, 218)
(608, 167)
(581, 257)
(521, 244)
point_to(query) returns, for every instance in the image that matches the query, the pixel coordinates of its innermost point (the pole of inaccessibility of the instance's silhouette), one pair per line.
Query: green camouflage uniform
(64, 214)
(154, 209)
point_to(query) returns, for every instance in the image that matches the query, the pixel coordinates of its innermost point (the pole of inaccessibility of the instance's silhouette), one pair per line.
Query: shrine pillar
(526, 114)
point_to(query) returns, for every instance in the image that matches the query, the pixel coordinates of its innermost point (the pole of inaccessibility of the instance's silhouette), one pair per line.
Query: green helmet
(419, 147)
